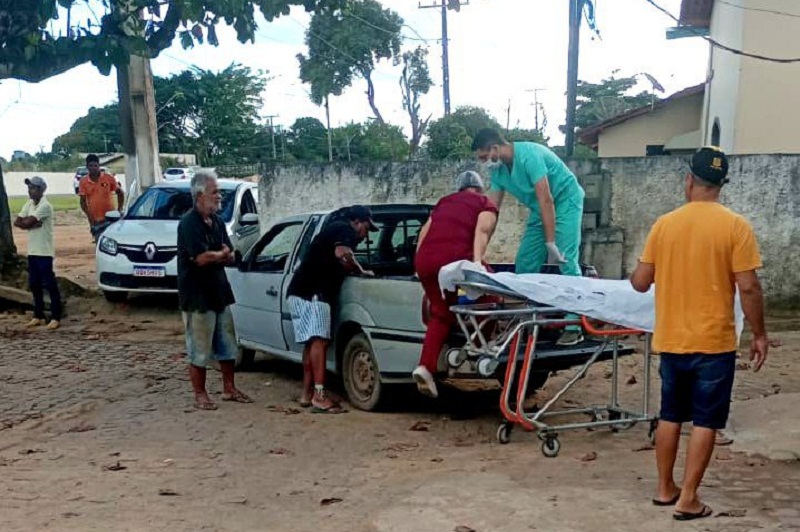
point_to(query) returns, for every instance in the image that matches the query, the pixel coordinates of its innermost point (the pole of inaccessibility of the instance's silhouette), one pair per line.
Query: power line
(760, 9)
(721, 46)
(390, 32)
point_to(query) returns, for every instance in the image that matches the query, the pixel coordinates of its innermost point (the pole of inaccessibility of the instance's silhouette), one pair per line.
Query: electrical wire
(760, 9)
(721, 46)
(390, 32)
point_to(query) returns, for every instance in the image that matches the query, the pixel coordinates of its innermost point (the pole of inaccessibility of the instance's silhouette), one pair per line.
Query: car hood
(162, 233)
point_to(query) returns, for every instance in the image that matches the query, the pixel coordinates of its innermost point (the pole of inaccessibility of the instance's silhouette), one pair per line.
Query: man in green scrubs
(541, 181)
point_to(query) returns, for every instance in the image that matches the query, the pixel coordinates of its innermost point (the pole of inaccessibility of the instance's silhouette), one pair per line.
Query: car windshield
(167, 203)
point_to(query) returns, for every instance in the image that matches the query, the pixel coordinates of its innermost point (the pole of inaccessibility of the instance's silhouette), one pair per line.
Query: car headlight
(108, 245)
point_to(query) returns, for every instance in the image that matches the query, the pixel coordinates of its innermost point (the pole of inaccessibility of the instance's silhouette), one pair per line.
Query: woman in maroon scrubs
(459, 228)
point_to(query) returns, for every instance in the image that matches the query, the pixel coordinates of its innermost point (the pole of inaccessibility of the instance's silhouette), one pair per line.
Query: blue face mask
(491, 165)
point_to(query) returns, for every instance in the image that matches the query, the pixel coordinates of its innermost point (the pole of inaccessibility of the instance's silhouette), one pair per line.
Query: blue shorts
(697, 388)
(209, 336)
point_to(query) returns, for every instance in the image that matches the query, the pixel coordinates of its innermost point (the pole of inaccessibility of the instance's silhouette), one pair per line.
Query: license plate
(149, 271)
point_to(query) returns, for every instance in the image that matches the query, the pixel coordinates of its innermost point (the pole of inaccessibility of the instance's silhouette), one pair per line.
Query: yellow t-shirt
(696, 250)
(40, 239)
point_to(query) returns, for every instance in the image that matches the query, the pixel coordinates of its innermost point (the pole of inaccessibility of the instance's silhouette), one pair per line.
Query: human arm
(643, 276)
(547, 208)
(753, 306)
(346, 256)
(423, 233)
(120, 200)
(31, 220)
(487, 222)
(496, 195)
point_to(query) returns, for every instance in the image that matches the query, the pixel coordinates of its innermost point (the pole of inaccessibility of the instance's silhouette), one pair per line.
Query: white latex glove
(554, 255)
(480, 266)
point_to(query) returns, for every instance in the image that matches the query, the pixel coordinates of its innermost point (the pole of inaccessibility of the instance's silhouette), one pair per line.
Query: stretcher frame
(517, 324)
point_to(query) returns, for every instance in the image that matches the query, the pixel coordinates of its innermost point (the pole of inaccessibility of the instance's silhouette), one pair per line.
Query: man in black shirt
(204, 293)
(314, 290)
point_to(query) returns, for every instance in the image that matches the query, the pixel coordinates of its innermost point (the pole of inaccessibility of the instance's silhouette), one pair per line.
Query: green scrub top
(531, 163)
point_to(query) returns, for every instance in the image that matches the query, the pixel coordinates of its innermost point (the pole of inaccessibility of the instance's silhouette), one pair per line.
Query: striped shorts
(310, 319)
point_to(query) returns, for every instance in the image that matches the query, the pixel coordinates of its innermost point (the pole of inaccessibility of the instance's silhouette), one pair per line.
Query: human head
(36, 187)
(708, 172)
(469, 180)
(361, 220)
(206, 196)
(93, 164)
(487, 145)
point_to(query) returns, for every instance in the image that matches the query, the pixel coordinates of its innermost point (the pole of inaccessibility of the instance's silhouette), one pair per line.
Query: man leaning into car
(204, 249)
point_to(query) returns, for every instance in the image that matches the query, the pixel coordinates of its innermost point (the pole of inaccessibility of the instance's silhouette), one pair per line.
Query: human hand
(759, 346)
(554, 255)
(368, 273)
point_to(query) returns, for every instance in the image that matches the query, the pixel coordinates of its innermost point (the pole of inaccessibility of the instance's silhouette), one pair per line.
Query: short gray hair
(200, 182)
(469, 179)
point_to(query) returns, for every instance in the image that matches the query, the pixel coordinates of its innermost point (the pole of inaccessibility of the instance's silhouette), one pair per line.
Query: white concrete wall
(57, 182)
(722, 90)
(631, 138)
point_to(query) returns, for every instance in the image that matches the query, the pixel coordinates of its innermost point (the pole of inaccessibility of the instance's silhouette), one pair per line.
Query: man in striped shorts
(315, 288)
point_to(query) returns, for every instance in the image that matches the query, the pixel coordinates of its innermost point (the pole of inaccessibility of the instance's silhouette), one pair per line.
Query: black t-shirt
(202, 288)
(321, 274)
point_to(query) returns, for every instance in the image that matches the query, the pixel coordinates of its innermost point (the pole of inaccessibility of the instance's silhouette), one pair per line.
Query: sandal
(205, 405)
(689, 516)
(236, 397)
(672, 502)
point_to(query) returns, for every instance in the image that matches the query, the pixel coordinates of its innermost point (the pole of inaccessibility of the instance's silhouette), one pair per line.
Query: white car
(176, 174)
(138, 253)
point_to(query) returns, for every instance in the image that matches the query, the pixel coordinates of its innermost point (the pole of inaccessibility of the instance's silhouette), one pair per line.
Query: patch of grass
(60, 202)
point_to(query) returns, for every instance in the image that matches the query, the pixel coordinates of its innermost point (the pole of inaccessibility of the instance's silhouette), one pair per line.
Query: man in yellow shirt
(697, 256)
(36, 217)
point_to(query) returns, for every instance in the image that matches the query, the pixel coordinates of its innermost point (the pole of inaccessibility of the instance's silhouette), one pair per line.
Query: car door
(245, 230)
(258, 287)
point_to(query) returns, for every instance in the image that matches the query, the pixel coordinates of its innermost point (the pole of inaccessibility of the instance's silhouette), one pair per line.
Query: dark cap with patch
(362, 213)
(711, 165)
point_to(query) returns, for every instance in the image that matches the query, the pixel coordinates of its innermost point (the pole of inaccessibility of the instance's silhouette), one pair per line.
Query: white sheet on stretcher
(608, 300)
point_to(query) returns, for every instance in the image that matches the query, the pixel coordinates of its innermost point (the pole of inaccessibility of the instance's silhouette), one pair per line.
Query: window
(305, 244)
(715, 133)
(273, 251)
(395, 242)
(248, 205)
(654, 150)
(163, 203)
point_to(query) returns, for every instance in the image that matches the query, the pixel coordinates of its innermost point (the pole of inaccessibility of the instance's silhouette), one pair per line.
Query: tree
(346, 43)
(451, 136)
(307, 140)
(414, 82)
(96, 132)
(35, 44)
(384, 142)
(600, 101)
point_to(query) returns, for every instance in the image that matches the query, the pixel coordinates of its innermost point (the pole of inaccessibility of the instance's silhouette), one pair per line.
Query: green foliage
(451, 136)
(35, 43)
(45, 162)
(346, 43)
(60, 202)
(414, 82)
(97, 132)
(384, 142)
(307, 140)
(609, 98)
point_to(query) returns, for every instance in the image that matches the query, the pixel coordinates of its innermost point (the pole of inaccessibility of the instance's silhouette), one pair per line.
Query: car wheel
(115, 297)
(245, 358)
(362, 378)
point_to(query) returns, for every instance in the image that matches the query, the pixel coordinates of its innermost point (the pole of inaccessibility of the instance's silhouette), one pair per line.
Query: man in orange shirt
(95, 190)
(697, 256)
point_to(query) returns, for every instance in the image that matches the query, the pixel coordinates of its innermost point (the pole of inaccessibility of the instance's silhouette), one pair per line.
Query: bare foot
(690, 507)
(667, 496)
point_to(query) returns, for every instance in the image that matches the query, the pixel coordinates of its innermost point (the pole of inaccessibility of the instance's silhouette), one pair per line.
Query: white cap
(469, 179)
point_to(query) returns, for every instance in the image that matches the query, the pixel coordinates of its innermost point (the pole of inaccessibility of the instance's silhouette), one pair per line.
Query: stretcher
(501, 330)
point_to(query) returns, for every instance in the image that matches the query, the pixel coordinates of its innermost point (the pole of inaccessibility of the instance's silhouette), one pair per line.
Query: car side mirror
(113, 216)
(250, 218)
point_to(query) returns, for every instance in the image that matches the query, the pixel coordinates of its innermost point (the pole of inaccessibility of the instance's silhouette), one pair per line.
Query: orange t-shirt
(99, 195)
(696, 250)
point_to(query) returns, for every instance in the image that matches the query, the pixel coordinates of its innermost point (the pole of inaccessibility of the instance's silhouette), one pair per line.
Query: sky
(500, 50)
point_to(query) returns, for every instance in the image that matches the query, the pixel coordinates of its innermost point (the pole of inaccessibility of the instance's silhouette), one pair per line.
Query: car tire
(245, 358)
(114, 296)
(361, 375)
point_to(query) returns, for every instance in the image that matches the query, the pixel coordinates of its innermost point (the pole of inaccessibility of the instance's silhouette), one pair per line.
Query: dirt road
(97, 433)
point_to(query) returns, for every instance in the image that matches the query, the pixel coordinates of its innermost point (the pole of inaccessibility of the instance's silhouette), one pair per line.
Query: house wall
(768, 118)
(631, 138)
(722, 89)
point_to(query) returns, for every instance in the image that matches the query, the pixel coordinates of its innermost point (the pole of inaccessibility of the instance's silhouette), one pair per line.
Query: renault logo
(150, 251)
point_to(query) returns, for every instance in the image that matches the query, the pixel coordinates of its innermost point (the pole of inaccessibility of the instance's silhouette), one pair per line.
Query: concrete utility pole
(575, 10)
(137, 109)
(330, 137)
(455, 5)
(272, 132)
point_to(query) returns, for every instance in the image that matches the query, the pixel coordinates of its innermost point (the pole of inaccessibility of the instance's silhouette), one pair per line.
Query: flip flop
(236, 397)
(690, 516)
(722, 440)
(205, 406)
(672, 502)
(331, 410)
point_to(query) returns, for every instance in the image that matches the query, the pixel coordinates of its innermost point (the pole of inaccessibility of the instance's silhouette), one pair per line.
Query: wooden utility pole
(330, 137)
(455, 5)
(575, 10)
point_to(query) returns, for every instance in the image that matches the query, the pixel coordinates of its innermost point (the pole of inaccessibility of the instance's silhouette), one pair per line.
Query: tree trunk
(371, 98)
(7, 247)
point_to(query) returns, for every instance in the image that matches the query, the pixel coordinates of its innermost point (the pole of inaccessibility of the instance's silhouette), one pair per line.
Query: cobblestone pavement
(97, 433)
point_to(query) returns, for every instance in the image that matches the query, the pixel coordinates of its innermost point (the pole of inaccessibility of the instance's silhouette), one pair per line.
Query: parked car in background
(138, 253)
(79, 173)
(175, 174)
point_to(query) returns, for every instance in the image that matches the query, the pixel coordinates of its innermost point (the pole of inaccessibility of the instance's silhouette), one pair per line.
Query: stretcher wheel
(504, 433)
(613, 416)
(551, 447)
